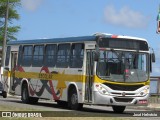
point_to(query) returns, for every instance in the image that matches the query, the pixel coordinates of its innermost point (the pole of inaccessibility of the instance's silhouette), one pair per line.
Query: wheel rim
(74, 99)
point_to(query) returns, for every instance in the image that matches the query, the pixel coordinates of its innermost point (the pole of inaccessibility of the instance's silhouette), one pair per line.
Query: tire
(73, 100)
(118, 109)
(62, 103)
(4, 94)
(33, 100)
(25, 96)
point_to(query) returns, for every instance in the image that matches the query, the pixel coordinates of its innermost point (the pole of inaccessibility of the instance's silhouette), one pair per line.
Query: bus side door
(14, 56)
(89, 75)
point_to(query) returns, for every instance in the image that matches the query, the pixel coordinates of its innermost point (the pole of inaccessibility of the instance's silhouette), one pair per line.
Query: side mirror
(152, 60)
(96, 57)
(153, 57)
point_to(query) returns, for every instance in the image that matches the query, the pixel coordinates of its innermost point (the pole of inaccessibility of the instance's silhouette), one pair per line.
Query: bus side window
(50, 55)
(27, 55)
(38, 54)
(7, 56)
(63, 55)
(20, 55)
(77, 54)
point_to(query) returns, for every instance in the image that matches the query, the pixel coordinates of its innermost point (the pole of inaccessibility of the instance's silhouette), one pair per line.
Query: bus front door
(89, 76)
(13, 66)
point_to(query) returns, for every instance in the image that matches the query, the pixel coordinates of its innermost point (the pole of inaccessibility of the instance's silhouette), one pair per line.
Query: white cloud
(125, 17)
(31, 5)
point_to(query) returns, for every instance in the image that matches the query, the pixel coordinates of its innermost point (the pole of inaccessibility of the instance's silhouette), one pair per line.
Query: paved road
(45, 105)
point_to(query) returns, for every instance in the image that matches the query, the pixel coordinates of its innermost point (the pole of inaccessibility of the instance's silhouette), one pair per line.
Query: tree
(12, 15)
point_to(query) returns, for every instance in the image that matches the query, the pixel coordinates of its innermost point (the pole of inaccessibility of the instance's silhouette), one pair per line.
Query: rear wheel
(73, 100)
(25, 96)
(61, 103)
(118, 109)
(33, 100)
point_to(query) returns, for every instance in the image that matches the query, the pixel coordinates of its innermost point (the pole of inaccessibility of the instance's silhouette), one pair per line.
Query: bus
(100, 69)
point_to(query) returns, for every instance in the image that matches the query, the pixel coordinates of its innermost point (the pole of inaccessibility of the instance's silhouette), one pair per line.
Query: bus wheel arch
(73, 98)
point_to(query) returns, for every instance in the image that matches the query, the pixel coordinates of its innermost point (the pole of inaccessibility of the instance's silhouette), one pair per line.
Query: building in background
(155, 85)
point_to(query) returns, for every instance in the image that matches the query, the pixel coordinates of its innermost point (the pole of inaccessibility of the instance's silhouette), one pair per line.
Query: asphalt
(151, 106)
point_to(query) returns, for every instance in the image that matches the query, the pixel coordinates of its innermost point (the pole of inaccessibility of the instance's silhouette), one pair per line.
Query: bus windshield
(123, 66)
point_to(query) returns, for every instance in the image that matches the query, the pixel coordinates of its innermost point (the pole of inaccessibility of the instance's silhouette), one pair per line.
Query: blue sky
(65, 18)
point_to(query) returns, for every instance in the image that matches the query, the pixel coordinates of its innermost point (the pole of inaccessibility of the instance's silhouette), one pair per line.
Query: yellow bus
(101, 69)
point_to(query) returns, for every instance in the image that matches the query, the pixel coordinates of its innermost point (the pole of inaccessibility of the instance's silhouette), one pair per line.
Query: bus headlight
(144, 92)
(101, 89)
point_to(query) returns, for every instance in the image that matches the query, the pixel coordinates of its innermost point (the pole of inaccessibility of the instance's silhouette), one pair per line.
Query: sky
(66, 18)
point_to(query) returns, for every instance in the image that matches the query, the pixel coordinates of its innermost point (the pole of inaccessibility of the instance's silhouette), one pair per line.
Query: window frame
(75, 59)
(59, 63)
(39, 62)
(54, 56)
(24, 61)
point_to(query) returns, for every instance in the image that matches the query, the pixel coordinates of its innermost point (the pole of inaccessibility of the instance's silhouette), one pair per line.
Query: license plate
(143, 102)
(0, 91)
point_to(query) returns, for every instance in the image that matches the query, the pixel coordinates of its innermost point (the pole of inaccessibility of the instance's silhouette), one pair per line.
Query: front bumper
(120, 100)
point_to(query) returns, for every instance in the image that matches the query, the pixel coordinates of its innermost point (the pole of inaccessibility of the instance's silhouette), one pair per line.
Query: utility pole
(5, 34)
(158, 21)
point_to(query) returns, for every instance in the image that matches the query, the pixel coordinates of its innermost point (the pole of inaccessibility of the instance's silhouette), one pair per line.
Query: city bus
(100, 69)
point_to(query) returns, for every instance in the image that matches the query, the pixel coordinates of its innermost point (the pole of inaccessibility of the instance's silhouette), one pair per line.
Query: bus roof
(54, 40)
(72, 39)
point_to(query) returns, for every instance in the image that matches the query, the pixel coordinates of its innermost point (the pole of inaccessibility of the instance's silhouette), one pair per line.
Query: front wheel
(73, 101)
(118, 109)
(25, 96)
(62, 103)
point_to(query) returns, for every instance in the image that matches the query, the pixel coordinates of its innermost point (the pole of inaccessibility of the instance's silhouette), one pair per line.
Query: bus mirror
(96, 57)
(153, 57)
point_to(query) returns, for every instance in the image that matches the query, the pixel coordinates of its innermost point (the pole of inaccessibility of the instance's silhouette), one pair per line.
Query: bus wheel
(73, 100)
(25, 94)
(61, 103)
(33, 100)
(118, 109)
(4, 94)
